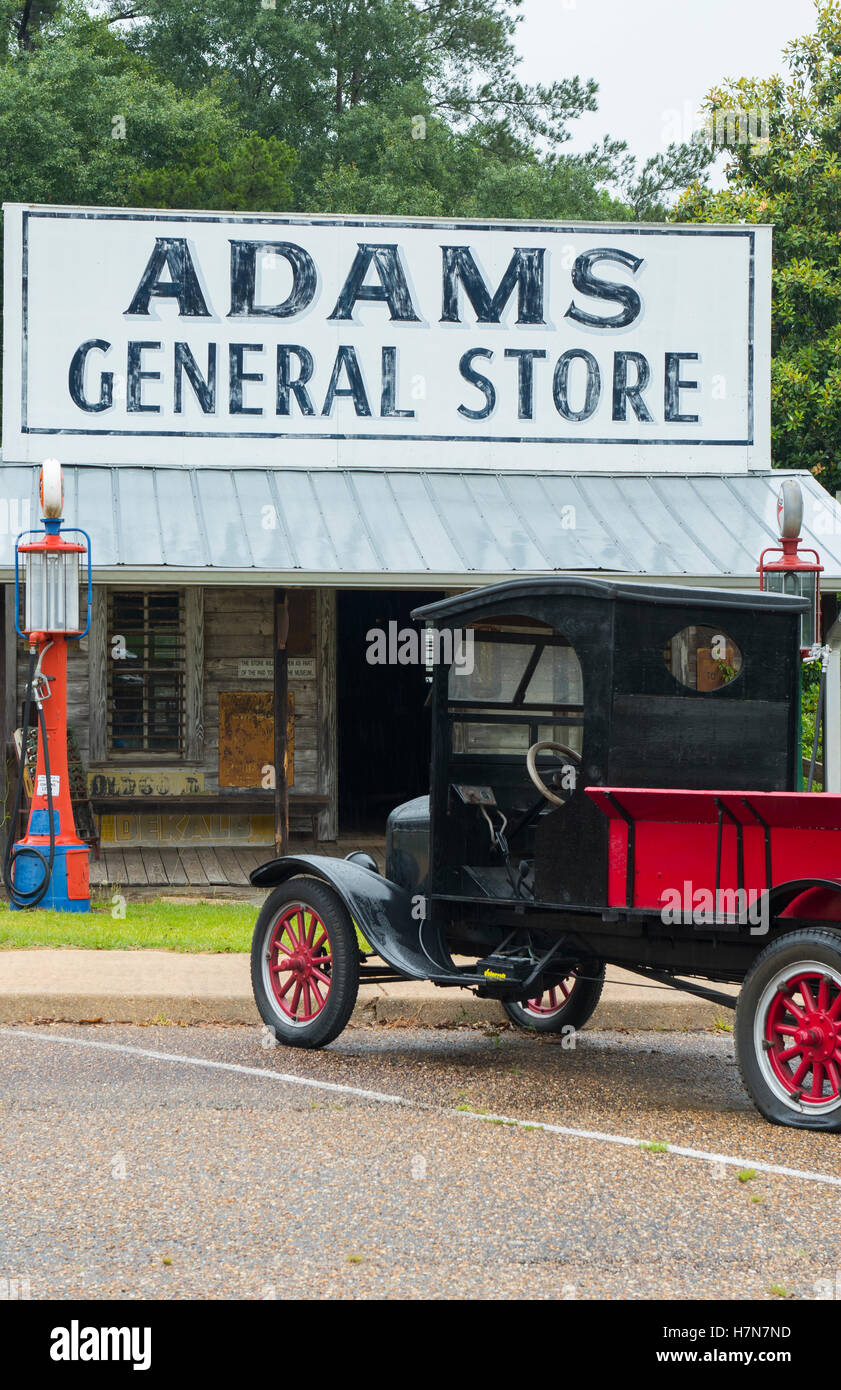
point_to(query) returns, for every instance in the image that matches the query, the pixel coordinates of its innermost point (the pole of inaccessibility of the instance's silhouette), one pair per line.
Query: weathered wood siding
(236, 623)
(239, 623)
(8, 690)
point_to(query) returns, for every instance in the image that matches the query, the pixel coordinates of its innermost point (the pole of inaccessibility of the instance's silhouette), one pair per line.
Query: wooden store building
(283, 434)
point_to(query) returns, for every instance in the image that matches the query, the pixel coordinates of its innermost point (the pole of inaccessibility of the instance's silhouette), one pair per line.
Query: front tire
(569, 1004)
(304, 963)
(788, 1030)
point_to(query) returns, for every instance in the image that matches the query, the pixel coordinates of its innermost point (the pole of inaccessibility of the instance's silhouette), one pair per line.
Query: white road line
(385, 1098)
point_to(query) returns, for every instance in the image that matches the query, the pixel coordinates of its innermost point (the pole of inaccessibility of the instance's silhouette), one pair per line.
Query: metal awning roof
(404, 527)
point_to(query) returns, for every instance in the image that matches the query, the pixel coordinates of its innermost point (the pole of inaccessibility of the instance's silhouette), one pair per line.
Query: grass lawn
(156, 925)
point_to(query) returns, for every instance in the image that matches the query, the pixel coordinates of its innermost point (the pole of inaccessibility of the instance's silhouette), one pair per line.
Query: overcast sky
(654, 60)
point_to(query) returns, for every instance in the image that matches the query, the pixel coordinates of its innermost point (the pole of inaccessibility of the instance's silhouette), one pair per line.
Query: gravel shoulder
(134, 1176)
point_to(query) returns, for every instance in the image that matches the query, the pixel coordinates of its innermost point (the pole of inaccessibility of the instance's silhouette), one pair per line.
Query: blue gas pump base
(29, 871)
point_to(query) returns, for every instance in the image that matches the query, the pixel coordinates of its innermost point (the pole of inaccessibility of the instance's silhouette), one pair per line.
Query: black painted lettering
(625, 391)
(244, 279)
(525, 273)
(172, 254)
(346, 361)
(482, 383)
(560, 384)
(288, 385)
(388, 400)
(204, 387)
(393, 288)
(674, 384)
(525, 379)
(587, 283)
(237, 376)
(135, 377)
(76, 378)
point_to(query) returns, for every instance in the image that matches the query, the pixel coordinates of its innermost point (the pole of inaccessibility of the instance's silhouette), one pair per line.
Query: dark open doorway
(383, 727)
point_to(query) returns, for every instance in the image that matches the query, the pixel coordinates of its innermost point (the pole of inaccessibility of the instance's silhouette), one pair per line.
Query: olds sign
(202, 338)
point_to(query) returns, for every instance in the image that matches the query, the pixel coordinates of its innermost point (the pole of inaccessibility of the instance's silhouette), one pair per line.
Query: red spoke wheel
(299, 961)
(568, 1003)
(788, 1030)
(304, 963)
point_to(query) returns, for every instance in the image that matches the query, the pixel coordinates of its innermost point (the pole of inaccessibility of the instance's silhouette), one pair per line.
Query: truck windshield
(522, 687)
(517, 669)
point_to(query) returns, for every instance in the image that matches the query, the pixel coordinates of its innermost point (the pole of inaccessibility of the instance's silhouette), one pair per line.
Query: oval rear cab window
(703, 658)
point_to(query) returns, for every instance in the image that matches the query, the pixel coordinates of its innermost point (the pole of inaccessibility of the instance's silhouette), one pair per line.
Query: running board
(502, 977)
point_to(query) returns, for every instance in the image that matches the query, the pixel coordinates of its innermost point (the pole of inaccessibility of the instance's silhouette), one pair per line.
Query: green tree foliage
(789, 174)
(81, 118)
(349, 84)
(256, 176)
(392, 106)
(679, 165)
(21, 21)
(296, 68)
(399, 162)
(809, 690)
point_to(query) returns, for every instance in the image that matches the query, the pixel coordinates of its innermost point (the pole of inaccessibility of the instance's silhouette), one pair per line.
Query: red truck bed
(663, 841)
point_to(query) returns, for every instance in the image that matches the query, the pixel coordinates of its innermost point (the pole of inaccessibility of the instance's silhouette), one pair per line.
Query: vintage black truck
(615, 779)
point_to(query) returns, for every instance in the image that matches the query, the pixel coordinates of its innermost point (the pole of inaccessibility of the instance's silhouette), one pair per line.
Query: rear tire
(788, 1030)
(568, 1005)
(304, 963)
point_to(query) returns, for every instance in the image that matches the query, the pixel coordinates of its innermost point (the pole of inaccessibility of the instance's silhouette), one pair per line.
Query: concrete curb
(82, 986)
(677, 1015)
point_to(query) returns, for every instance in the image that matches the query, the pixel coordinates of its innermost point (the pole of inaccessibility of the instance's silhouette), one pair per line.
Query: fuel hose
(30, 897)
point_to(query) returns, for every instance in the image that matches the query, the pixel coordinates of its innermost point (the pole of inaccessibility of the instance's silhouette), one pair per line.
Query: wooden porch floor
(204, 866)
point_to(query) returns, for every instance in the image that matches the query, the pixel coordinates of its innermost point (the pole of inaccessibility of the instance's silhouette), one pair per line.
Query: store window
(146, 672)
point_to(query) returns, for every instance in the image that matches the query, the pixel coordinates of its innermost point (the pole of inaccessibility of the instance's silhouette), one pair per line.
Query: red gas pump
(790, 569)
(793, 570)
(50, 864)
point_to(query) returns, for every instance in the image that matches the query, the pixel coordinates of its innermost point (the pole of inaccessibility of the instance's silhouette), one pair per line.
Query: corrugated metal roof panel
(329, 523)
(89, 493)
(430, 533)
(139, 531)
(352, 531)
(305, 522)
(220, 518)
(397, 544)
(821, 513)
(178, 518)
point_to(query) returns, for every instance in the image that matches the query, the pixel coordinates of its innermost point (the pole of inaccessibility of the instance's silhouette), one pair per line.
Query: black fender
(382, 910)
(783, 895)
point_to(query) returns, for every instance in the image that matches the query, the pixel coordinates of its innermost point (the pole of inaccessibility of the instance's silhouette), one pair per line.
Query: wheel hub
(802, 1036)
(299, 961)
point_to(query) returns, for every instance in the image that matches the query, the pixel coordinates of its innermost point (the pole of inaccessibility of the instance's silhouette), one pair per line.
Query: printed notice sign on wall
(255, 668)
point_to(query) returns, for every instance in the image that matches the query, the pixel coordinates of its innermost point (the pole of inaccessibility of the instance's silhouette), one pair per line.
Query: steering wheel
(531, 764)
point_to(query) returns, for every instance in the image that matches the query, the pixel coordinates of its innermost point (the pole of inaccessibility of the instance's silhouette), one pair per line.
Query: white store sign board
(142, 337)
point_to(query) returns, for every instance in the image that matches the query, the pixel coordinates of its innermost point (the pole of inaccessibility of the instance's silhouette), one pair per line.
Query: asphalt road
(127, 1175)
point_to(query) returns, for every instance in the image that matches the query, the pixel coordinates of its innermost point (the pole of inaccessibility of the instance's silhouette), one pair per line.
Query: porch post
(8, 690)
(281, 716)
(328, 781)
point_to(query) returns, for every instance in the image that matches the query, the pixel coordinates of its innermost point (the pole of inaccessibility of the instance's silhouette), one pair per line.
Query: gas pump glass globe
(52, 591)
(801, 584)
(35, 572)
